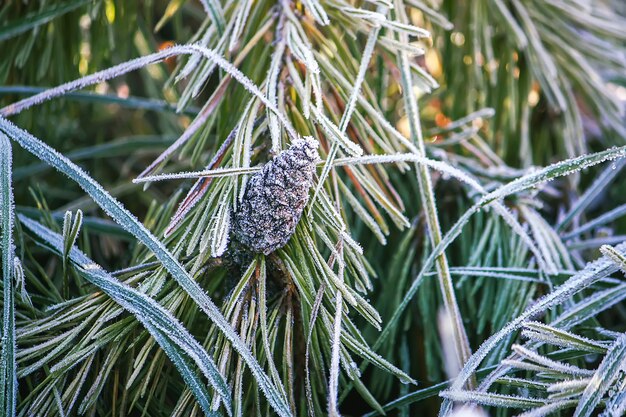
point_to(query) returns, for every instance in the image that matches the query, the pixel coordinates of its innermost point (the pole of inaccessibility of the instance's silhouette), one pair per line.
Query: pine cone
(275, 198)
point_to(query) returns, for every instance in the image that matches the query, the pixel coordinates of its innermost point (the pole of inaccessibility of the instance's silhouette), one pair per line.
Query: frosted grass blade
(590, 274)
(122, 216)
(560, 169)
(492, 399)
(169, 333)
(613, 366)
(617, 257)
(8, 371)
(599, 184)
(427, 195)
(141, 62)
(213, 9)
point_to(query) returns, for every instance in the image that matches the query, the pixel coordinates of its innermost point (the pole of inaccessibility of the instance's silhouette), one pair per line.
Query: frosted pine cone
(275, 198)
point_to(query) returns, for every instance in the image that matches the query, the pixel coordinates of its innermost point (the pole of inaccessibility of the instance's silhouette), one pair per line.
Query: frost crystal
(275, 198)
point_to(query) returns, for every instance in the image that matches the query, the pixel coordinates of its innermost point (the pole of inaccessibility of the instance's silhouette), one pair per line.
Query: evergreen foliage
(312, 207)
